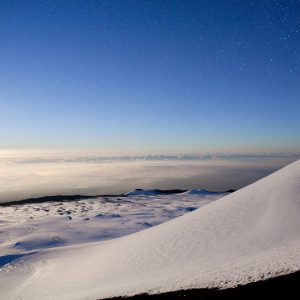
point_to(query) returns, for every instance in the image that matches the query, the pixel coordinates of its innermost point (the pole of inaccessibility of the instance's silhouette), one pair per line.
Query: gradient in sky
(150, 75)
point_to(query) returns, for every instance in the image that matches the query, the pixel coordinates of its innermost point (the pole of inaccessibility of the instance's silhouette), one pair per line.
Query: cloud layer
(39, 175)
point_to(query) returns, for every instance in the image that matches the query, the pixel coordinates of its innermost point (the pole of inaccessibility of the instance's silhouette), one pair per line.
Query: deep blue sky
(150, 75)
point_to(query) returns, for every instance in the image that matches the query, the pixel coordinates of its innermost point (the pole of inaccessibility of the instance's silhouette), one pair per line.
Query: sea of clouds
(33, 174)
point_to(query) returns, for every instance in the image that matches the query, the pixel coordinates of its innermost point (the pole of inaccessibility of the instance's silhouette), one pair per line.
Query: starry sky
(150, 76)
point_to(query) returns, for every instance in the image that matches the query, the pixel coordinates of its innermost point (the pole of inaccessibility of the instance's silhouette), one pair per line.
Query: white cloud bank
(35, 174)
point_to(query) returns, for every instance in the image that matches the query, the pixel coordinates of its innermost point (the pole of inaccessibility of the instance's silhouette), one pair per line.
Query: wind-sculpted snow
(34, 226)
(250, 235)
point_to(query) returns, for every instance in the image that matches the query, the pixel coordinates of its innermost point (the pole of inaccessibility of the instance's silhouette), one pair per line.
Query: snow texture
(35, 226)
(246, 236)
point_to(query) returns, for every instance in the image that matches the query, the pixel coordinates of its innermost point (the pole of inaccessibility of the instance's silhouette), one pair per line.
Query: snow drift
(249, 235)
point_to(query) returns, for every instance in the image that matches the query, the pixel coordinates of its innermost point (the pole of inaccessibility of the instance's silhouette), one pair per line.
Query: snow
(246, 236)
(50, 224)
(199, 192)
(141, 192)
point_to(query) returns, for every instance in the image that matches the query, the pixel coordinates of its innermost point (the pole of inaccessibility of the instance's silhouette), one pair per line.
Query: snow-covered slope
(33, 226)
(246, 236)
(154, 192)
(199, 192)
(141, 192)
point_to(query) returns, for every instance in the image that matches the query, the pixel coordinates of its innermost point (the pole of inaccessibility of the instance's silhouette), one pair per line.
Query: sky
(150, 76)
